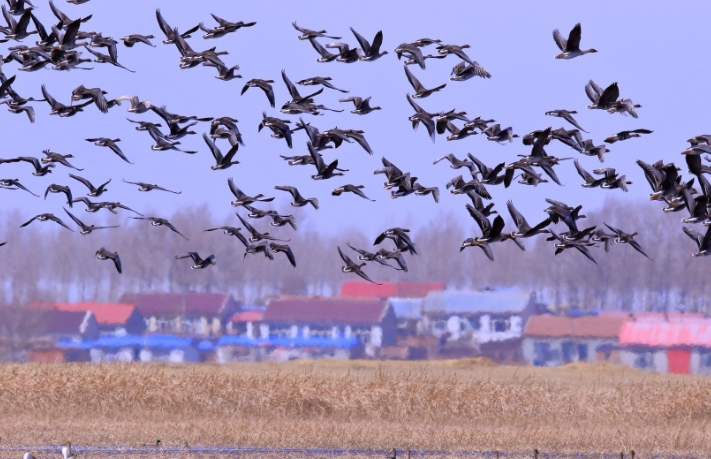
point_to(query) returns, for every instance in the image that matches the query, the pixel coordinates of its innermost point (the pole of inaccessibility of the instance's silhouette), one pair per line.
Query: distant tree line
(44, 262)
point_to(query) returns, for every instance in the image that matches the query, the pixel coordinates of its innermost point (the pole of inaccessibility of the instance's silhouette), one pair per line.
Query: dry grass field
(448, 405)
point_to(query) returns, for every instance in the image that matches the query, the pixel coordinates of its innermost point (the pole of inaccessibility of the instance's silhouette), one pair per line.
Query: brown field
(447, 405)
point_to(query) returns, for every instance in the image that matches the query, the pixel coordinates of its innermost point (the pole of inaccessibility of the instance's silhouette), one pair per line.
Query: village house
(185, 314)
(488, 323)
(246, 321)
(373, 322)
(362, 289)
(129, 348)
(677, 344)
(112, 318)
(557, 340)
(30, 334)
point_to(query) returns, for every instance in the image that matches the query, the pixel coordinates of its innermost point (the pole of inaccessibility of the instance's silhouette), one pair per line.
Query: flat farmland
(450, 406)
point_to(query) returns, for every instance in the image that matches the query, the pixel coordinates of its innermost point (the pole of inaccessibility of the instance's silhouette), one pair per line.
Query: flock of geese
(65, 46)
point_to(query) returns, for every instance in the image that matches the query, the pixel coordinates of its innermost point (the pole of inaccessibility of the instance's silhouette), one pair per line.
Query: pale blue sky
(651, 50)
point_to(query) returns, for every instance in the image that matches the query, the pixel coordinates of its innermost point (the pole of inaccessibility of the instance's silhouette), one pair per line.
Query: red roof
(667, 334)
(247, 316)
(581, 327)
(360, 289)
(175, 304)
(105, 313)
(334, 310)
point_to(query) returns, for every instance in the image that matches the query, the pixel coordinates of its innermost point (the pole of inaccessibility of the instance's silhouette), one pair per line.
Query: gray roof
(407, 308)
(476, 302)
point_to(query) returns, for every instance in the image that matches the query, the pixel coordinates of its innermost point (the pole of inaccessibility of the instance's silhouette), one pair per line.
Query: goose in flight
(161, 222)
(44, 218)
(101, 254)
(198, 263)
(371, 51)
(602, 99)
(54, 188)
(86, 229)
(264, 85)
(148, 187)
(571, 47)
(299, 200)
(10, 183)
(703, 242)
(243, 199)
(624, 135)
(362, 106)
(221, 162)
(111, 143)
(355, 189)
(420, 91)
(352, 267)
(93, 191)
(308, 34)
(567, 116)
(626, 238)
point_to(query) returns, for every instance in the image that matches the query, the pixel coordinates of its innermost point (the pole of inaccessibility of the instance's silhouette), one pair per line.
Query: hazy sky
(651, 50)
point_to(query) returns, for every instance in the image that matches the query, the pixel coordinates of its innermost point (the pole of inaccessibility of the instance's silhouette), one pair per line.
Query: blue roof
(576, 312)
(476, 302)
(407, 308)
(149, 341)
(314, 341)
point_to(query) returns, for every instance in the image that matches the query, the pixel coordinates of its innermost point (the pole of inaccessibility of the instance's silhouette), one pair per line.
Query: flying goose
(371, 51)
(703, 242)
(566, 115)
(199, 263)
(299, 201)
(280, 128)
(226, 26)
(149, 187)
(108, 58)
(95, 95)
(229, 131)
(352, 267)
(44, 218)
(624, 106)
(86, 229)
(496, 134)
(256, 235)
(264, 85)
(326, 56)
(590, 181)
(581, 247)
(461, 186)
(241, 198)
(626, 238)
(355, 189)
(111, 206)
(561, 212)
(524, 229)
(624, 135)
(232, 231)
(424, 191)
(111, 143)
(308, 34)
(137, 106)
(101, 254)
(463, 72)
(362, 106)
(612, 180)
(132, 39)
(571, 47)
(161, 222)
(61, 109)
(346, 54)
(54, 188)
(420, 91)
(489, 233)
(93, 191)
(221, 162)
(323, 172)
(163, 144)
(169, 32)
(489, 176)
(51, 157)
(18, 29)
(383, 254)
(9, 183)
(602, 99)
(323, 81)
(424, 117)
(399, 236)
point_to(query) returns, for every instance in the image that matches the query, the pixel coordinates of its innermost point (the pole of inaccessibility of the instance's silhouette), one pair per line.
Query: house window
(582, 352)
(568, 351)
(500, 325)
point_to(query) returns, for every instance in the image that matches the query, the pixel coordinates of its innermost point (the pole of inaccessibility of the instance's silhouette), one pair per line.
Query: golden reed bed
(453, 406)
